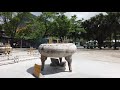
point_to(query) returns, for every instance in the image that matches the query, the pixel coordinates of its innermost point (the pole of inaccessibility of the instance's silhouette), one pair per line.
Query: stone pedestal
(57, 50)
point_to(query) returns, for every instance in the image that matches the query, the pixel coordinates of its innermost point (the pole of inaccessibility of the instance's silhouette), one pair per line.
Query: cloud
(80, 15)
(85, 15)
(36, 13)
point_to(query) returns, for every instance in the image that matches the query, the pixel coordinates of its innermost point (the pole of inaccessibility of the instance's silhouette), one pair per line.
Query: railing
(11, 59)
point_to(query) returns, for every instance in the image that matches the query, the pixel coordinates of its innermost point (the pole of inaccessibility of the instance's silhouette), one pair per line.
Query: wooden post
(50, 40)
(7, 50)
(31, 50)
(57, 40)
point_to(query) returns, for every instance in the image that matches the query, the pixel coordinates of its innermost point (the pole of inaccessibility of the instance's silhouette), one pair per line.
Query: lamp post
(79, 37)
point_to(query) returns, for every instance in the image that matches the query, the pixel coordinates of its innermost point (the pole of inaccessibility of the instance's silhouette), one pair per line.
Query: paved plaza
(86, 64)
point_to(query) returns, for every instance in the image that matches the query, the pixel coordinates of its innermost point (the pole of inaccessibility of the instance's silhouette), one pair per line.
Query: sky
(80, 15)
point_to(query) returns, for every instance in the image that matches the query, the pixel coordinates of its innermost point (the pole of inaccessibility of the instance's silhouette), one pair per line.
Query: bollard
(37, 70)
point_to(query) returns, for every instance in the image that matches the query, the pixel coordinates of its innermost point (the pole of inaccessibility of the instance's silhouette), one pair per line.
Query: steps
(5, 60)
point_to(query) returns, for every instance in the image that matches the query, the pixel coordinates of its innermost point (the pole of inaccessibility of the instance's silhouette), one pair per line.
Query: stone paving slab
(84, 66)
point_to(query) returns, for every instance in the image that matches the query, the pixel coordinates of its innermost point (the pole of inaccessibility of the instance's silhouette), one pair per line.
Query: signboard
(37, 70)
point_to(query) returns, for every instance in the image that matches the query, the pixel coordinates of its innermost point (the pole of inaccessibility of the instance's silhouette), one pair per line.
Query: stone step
(16, 60)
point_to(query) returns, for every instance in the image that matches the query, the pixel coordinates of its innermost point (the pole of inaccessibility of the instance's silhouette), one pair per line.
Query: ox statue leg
(69, 60)
(43, 58)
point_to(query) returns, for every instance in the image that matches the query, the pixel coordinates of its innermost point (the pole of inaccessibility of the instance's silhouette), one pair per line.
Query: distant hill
(26, 20)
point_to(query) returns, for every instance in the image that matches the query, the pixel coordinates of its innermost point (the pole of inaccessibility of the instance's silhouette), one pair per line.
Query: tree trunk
(110, 42)
(75, 37)
(99, 46)
(115, 45)
(21, 44)
(12, 39)
(11, 42)
(46, 28)
(100, 43)
(75, 40)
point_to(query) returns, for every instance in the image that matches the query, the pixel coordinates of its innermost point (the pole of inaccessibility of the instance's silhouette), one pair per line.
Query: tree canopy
(101, 27)
(26, 26)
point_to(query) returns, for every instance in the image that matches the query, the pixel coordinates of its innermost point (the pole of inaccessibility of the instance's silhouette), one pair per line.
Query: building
(3, 37)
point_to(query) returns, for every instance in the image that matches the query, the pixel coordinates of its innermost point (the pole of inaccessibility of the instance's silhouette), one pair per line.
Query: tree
(114, 24)
(102, 27)
(96, 29)
(56, 24)
(33, 31)
(76, 28)
(46, 18)
(61, 26)
(14, 20)
(7, 21)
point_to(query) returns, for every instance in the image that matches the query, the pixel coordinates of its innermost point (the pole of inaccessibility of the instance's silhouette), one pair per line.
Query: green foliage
(24, 25)
(100, 27)
(31, 31)
(61, 26)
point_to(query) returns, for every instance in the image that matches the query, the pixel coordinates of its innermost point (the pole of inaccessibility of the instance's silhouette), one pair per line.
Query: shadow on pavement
(30, 70)
(48, 70)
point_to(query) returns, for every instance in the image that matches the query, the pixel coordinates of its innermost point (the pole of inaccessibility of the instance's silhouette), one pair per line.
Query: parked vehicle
(90, 45)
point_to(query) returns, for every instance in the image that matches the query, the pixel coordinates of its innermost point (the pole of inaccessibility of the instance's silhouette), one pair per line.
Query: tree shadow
(48, 70)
